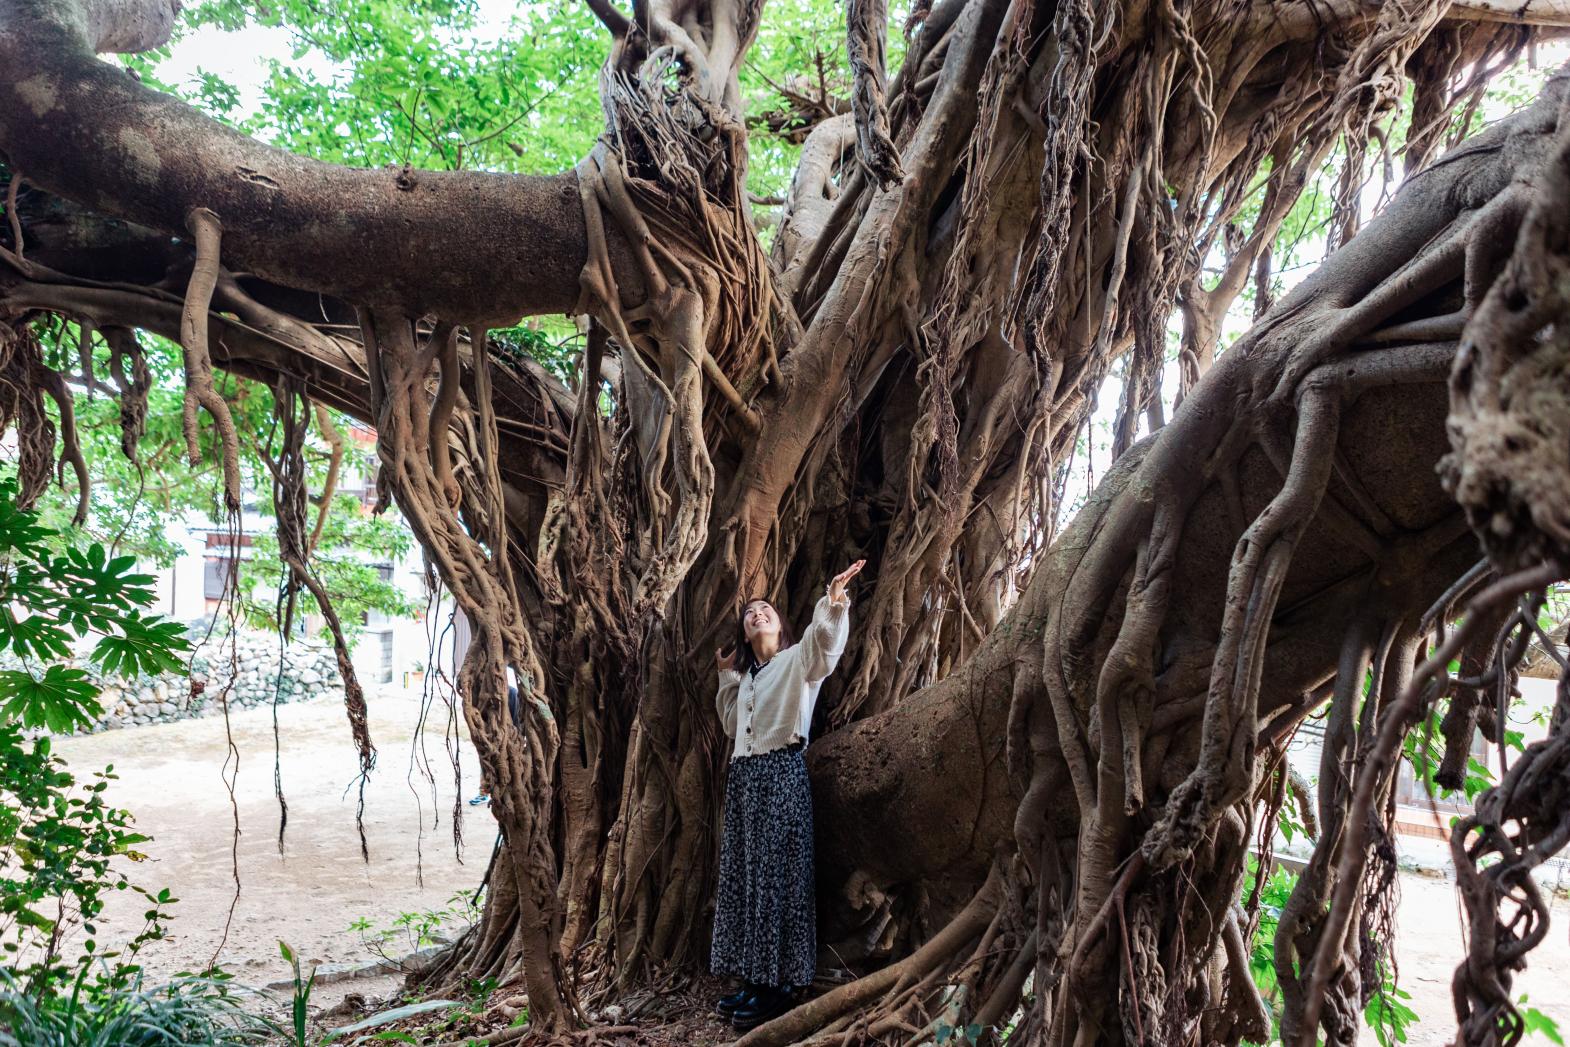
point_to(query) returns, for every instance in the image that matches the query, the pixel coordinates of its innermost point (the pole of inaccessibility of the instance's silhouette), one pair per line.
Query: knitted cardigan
(774, 708)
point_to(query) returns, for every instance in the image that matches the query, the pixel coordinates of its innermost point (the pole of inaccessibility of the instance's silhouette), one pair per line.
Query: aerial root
(289, 503)
(125, 351)
(53, 383)
(474, 562)
(199, 389)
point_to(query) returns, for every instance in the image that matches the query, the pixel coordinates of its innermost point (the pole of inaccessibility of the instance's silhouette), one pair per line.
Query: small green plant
(411, 931)
(302, 997)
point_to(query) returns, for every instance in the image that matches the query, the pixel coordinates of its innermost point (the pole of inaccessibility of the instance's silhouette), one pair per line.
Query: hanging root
(330, 433)
(128, 366)
(53, 383)
(199, 388)
(22, 404)
(289, 503)
(474, 562)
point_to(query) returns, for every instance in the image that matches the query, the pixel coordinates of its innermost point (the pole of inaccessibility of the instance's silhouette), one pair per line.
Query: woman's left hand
(837, 586)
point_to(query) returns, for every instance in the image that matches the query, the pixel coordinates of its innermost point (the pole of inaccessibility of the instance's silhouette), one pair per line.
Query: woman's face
(759, 619)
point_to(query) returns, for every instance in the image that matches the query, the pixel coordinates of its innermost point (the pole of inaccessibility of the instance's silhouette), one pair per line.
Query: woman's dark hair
(745, 659)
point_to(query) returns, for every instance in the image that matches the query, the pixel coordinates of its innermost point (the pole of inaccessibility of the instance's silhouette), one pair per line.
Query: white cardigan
(773, 709)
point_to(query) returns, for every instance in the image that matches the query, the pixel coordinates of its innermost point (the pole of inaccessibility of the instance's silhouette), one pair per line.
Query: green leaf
(61, 699)
(1538, 1022)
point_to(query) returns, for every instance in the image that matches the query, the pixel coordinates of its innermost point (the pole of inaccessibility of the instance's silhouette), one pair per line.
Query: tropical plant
(190, 1011)
(60, 838)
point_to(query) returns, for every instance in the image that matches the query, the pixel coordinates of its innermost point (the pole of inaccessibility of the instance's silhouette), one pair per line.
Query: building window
(218, 573)
(220, 562)
(384, 672)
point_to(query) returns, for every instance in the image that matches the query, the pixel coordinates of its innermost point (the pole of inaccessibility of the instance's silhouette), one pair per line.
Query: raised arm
(824, 641)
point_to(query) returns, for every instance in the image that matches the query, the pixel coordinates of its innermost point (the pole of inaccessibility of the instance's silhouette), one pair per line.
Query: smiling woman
(765, 927)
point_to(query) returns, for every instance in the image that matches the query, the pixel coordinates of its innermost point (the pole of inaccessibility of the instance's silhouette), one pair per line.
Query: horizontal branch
(469, 246)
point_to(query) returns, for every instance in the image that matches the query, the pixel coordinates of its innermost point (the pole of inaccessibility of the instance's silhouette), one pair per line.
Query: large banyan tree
(1045, 757)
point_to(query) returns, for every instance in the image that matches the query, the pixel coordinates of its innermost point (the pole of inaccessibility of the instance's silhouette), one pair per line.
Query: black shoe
(770, 1002)
(727, 1005)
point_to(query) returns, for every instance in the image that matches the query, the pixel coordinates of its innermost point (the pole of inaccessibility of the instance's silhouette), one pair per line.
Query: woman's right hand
(724, 662)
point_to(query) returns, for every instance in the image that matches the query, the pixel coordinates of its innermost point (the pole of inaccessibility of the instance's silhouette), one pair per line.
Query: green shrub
(191, 1011)
(62, 844)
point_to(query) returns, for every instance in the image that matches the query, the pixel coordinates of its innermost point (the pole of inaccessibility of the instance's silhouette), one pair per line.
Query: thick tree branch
(491, 246)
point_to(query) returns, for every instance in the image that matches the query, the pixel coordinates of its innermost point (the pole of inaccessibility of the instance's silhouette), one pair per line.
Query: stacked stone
(309, 670)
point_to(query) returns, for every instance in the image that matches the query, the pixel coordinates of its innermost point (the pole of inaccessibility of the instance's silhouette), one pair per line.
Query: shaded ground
(311, 893)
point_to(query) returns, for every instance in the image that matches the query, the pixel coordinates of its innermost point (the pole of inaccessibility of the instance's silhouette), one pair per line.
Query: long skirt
(765, 919)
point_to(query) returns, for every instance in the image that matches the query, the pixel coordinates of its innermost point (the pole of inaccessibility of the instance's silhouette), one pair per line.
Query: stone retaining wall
(309, 669)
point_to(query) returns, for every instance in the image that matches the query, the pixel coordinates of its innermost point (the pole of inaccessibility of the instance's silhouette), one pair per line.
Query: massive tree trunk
(1043, 754)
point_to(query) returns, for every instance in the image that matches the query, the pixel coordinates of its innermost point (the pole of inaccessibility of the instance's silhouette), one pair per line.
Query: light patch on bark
(129, 26)
(40, 93)
(140, 154)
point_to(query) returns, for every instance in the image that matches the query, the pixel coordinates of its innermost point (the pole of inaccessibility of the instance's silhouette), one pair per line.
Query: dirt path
(171, 781)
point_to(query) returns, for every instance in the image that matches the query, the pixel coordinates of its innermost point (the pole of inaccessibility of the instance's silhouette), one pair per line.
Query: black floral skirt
(765, 919)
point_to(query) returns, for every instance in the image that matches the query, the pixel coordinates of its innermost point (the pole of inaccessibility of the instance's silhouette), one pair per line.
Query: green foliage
(1273, 897)
(1537, 1022)
(422, 83)
(60, 838)
(68, 595)
(1386, 1014)
(198, 1011)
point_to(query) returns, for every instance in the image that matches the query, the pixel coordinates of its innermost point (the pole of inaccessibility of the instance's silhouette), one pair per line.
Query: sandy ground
(172, 781)
(309, 895)
(1429, 946)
